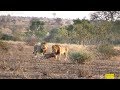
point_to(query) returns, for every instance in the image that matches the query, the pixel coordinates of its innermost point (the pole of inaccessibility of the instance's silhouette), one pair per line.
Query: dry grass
(19, 62)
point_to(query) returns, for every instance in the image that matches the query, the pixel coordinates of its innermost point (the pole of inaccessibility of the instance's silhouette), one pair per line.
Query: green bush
(107, 50)
(79, 57)
(7, 37)
(10, 37)
(0, 34)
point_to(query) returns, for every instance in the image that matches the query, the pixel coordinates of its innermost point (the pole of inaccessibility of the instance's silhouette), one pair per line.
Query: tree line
(103, 27)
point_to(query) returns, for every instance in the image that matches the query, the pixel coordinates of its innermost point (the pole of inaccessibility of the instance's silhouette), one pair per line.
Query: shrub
(31, 41)
(10, 37)
(20, 47)
(84, 73)
(79, 57)
(4, 46)
(7, 37)
(107, 50)
(16, 38)
(1, 34)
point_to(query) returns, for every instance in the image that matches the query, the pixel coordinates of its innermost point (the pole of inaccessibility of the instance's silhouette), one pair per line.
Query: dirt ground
(20, 63)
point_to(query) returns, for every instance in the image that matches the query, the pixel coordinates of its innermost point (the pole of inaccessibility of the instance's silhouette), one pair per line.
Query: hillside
(10, 23)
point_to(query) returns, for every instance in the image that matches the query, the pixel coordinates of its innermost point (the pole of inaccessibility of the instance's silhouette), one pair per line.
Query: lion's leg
(66, 54)
(56, 57)
(59, 56)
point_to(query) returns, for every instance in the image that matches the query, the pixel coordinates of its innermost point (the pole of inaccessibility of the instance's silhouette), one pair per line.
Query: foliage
(107, 50)
(104, 27)
(87, 32)
(59, 35)
(7, 37)
(83, 30)
(79, 57)
(40, 35)
(58, 20)
(1, 34)
(36, 25)
(37, 30)
(105, 15)
(77, 21)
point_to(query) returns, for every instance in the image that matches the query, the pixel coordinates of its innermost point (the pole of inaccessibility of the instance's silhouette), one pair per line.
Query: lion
(40, 48)
(59, 50)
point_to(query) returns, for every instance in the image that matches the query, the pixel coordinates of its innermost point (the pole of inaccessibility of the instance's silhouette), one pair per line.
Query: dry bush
(31, 41)
(84, 73)
(4, 65)
(106, 50)
(20, 47)
(79, 57)
(4, 46)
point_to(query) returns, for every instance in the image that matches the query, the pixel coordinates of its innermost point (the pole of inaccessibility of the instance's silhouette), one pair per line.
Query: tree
(58, 20)
(115, 36)
(37, 29)
(102, 32)
(83, 29)
(105, 15)
(77, 21)
(107, 26)
(59, 35)
(36, 25)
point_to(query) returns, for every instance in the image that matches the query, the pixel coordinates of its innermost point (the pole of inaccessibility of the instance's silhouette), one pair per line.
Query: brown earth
(20, 63)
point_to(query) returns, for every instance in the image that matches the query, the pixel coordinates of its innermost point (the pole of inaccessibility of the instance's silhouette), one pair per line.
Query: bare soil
(20, 63)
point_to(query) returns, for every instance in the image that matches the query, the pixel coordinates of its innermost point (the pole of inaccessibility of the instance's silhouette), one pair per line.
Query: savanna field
(19, 62)
(93, 46)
